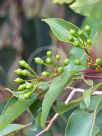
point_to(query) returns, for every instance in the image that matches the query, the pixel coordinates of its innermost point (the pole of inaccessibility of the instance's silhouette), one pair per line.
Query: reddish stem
(90, 71)
(93, 54)
(92, 77)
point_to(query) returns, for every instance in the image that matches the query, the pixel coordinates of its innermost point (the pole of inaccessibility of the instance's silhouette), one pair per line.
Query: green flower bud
(24, 63)
(18, 71)
(38, 60)
(70, 38)
(19, 80)
(88, 41)
(66, 62)
(77, 62)
(48, 61)
(45, 74)
(58, 57)
(49, 53)
(25, 73)
(60, 69)
(76, 43)
(73, 32)
(80, 33)
(87, 29)
(29, 85)
(22, 87)
(27, 95)
(98, 61)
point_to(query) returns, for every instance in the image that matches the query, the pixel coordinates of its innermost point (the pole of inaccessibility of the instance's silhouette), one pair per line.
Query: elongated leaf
(88, 7)
(13, 111)
(55, 90)
(60, 28)
(58, 86)
(11, 128)
(81, 124)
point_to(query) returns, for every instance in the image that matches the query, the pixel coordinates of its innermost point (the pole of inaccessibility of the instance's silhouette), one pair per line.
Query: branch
(74, 90)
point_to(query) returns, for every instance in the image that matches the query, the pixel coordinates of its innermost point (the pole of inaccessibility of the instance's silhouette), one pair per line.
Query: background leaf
(88, 7)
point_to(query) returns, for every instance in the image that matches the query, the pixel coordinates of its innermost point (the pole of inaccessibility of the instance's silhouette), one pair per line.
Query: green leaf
(11, 128)
(15, 110)
(81, 123)
(87, 93)
(62, 107)
(88, 7)
(60, 28)
(56, 88)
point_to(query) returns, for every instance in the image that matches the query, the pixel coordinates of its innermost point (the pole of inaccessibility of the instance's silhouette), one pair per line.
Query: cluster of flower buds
(48, 62)
(80, 38)
(28, 79)
(26, 86)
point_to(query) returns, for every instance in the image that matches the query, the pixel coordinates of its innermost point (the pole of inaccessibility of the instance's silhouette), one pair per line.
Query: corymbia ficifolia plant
(39, 92)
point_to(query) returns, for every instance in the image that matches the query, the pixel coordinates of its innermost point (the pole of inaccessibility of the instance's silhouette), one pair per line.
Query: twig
(74, 90)
(93, 53)
(49, 125)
